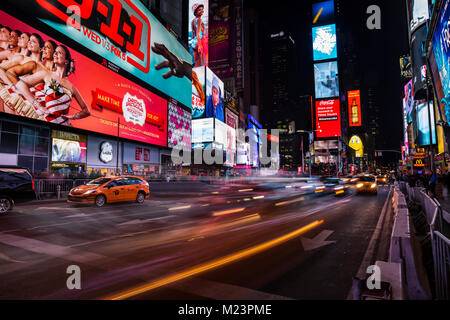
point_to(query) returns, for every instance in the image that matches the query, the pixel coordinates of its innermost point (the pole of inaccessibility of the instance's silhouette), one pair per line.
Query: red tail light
(32, 184)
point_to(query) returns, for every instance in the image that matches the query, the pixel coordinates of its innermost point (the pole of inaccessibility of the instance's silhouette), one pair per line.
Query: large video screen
(418, 13)
(207, 95)
(423, 124)
(202, 130)
(179, 126)
(328, 119)
(409, 100)
(326, 79)
(79, 92)
(122, 34)
(354, 108)
(198, 31)
(441, 52)
(68, 151)
(323, 12)
(324, 42)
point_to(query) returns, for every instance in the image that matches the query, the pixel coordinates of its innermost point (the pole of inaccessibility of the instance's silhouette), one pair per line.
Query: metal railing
(440, 243)
(59, 188)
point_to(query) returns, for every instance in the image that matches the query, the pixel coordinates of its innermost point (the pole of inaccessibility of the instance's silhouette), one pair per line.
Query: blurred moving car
(382, 179)
(110, 189)
(16, 186)
(367, 184)
(333, 185)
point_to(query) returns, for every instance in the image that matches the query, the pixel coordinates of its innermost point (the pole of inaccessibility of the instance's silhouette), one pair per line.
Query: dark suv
(16, 186)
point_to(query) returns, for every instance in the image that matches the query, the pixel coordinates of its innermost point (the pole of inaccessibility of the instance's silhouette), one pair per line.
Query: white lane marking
(222, 291)
(49, 249)
(6, 258)
(55, 208)
(318, 241)
(142, 221)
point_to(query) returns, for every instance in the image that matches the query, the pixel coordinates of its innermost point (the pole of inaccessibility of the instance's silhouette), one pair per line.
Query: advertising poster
(220, 38)
(418, 61)
(231, 119)
(409, 100)
(231, 147)
(220, 132)
(354, 108)
(209, 89)
(84, 94)
(198, 32)
(179, 126)
(326, 79)
(441, 50)
(328, 121)
(68, 151)
(324, 42)
(121, 34)
(418, 13)
(323, 12)
(202, 130)
(423, 125)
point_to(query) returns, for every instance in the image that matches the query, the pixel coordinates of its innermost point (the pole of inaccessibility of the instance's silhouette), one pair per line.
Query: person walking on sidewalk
(432, 186)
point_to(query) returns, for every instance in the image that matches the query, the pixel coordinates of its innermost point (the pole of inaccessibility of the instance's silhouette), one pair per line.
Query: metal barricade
(49, 188)
(441, 256)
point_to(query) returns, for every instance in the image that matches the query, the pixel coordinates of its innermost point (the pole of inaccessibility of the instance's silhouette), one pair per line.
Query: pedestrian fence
(59, 188)
(438, 232)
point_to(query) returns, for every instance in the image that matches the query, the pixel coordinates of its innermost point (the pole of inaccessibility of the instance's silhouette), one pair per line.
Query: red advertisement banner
(354, 108)
(87, 95)
(328, 120)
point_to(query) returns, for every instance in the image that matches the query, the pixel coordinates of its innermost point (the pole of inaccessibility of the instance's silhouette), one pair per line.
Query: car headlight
(373, 185)
(90, 191)
(359, 185)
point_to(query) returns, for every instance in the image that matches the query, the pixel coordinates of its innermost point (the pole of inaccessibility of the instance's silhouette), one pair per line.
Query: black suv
(16, 186)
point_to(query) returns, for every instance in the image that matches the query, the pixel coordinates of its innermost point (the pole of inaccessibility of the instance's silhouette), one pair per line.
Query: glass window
(26, 144)
(8, 142)
(25, 161)
(10, 127)
(40, 164)
(98, 182)
(14, 174)
(122, 182)
(43, 132)
(27, 130)
(41, 146)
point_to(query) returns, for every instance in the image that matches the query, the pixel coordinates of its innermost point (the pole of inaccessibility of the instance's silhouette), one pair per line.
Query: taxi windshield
(98, 182)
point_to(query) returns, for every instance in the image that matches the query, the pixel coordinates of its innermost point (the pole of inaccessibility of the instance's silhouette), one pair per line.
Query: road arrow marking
(318, 241)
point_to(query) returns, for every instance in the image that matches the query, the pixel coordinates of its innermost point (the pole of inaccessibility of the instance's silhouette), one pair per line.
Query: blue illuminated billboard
(423, 124)
(323, 12)
(326, 79)
(324, 42)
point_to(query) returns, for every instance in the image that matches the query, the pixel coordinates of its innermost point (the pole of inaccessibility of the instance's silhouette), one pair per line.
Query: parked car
(16, 186)
(110, 189)
(367, 184)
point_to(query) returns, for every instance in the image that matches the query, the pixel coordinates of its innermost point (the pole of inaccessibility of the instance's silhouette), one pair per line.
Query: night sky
(377, 51)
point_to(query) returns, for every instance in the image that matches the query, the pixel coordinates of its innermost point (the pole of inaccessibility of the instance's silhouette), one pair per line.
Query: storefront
(68, 156)
(140, 159)
(25, 145)
(104, 156)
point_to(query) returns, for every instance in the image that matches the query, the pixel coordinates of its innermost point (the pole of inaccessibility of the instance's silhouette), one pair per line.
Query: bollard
(58, 191)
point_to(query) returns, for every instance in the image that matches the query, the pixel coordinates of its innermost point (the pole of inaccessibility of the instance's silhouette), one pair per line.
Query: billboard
(423, 125)
(328, 120)
(324, 42)
(121, 34)
(231, 119)
(354, 108)
(230, 147)
(357, 145)
(198, 31)
(81, 93)
(441, 61)
(179, 126)
(68, 151)
(202, 130)
(326, 79)
(220, 132)
(326, 144)
(207, 95)
(220, 38)
(323, 12)
(418, 13)
(419, 60)
(409, 100)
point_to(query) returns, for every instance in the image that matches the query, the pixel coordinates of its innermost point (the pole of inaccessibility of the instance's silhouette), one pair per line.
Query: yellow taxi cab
(110, 189)
(382, 179)
(367, 183)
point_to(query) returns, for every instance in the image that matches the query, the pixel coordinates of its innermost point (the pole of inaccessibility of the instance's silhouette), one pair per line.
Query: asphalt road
(222, 242)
